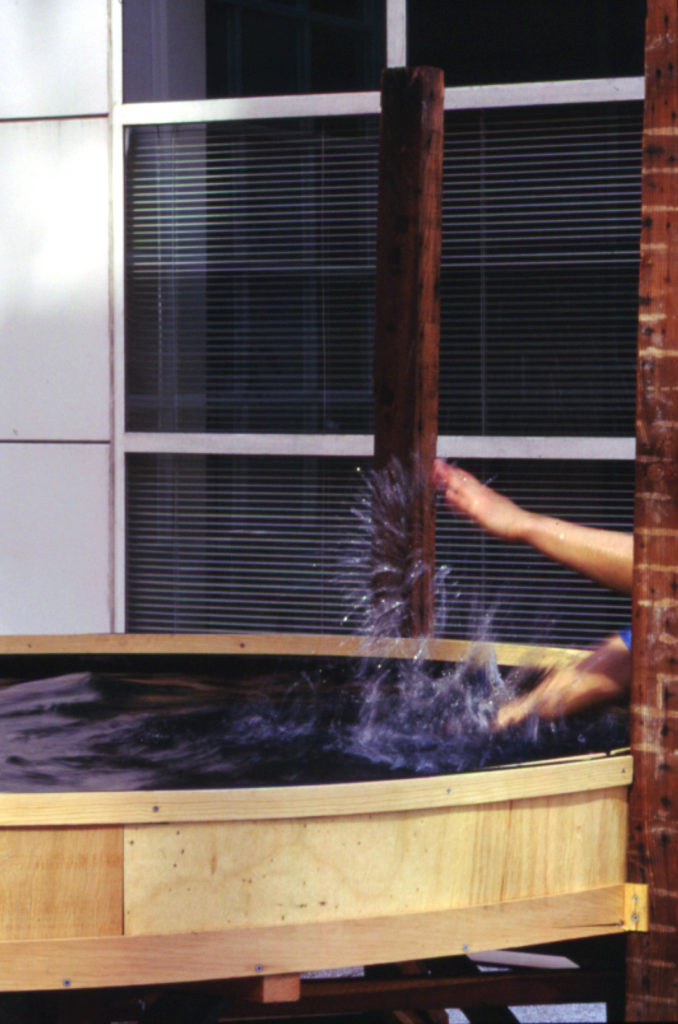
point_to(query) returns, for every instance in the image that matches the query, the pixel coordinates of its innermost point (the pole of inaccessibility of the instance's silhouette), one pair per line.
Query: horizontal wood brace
(284, 949)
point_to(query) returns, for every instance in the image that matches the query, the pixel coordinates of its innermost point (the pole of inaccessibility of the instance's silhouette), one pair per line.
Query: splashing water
(312, 721)
(425, 718)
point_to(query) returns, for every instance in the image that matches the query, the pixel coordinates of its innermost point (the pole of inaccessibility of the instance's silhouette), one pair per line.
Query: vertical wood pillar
(652, 958)
(407, 333)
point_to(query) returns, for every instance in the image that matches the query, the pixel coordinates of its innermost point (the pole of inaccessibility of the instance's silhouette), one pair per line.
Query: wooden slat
(579, 775)
(283, 644)
(282, 949)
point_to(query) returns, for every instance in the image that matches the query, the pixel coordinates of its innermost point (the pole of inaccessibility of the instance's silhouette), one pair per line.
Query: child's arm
(603, 555)
(601, 677)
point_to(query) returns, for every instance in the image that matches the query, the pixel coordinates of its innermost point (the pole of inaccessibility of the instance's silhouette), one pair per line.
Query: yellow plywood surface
(60, 882)
(209, 876)
(236, 953)
(583, 774)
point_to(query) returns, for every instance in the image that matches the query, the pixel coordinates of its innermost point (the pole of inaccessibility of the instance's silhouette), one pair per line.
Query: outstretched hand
(599, 678)
(463, 493)
(603, 555)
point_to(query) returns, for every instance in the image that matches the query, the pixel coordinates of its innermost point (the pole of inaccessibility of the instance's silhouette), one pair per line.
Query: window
(491, 41)
(249, 278)
(197, 49)
(263, 47)
(250, 275)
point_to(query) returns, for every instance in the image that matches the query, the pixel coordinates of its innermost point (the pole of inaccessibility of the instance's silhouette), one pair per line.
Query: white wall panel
(53, 58)
(54, 538)
(54, 297)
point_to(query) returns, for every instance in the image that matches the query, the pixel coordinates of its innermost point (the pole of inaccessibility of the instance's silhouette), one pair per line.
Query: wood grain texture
(60, 883)
(407, 315)
(282, 949)
(204, 877)
(283, 644)
(582, 774)
(652, 968)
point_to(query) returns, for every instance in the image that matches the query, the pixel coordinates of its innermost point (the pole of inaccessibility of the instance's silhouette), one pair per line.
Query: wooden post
(652, 959)
(407, 331)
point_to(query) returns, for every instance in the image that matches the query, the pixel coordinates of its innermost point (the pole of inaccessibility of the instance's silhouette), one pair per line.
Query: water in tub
(303, 721)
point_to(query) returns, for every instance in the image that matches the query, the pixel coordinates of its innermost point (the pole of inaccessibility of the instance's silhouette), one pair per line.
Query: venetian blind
(250, 278)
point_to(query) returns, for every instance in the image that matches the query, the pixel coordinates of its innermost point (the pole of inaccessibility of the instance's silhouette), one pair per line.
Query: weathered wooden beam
(652, 962)
(407, 332)
(361, 995)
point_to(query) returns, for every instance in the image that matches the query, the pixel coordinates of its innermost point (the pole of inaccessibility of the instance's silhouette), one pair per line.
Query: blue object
(625, 634)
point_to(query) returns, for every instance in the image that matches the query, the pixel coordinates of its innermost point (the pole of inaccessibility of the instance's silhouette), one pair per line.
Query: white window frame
(313, 105)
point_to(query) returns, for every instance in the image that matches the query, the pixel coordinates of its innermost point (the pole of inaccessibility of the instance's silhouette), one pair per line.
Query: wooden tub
(159, 887)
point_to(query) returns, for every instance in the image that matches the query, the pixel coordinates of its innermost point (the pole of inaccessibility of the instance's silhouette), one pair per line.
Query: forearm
(599, 678)
(603, 555)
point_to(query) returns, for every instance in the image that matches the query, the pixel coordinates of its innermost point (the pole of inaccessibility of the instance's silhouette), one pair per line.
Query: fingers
(455, 484)
(441, 474)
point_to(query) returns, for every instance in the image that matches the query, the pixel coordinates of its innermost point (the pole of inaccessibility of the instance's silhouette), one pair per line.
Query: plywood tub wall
(158, 887)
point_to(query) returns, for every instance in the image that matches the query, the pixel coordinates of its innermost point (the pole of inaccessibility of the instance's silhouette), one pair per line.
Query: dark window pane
(230, 544)
(493, 41)
(270, 55)
(339, 8)
(250, 274)
(254, 51)
(340, 60)
(541, 225)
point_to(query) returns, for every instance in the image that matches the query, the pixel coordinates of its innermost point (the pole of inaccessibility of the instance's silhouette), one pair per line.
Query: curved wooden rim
(300, 644)
(579, 775)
